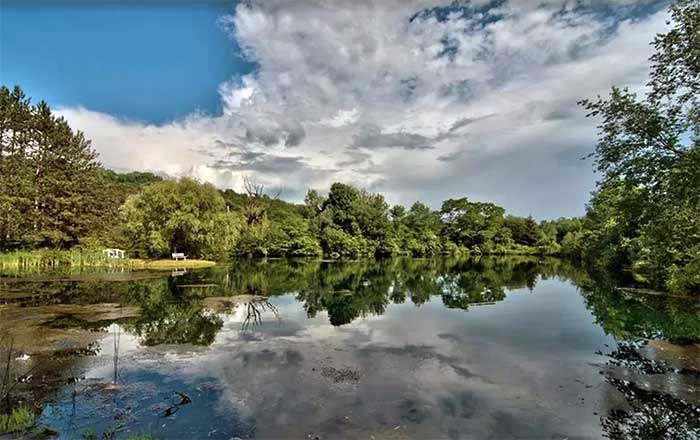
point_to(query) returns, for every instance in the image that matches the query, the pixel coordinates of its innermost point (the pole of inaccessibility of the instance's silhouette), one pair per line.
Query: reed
(19, 420)
(43, 258)
(19, 263)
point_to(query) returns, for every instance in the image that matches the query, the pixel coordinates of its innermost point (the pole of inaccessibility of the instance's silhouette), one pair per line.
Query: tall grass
(19, 420)
(43, 258)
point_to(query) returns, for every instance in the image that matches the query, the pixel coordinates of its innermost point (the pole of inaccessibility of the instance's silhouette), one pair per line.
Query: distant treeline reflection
(188, 308)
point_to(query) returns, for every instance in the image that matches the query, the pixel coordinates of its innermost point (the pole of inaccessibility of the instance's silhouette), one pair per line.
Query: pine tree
(49, 174)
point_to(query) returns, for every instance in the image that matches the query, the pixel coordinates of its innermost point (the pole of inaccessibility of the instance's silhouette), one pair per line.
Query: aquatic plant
(19, 420)
(5, 385)
(75, 257)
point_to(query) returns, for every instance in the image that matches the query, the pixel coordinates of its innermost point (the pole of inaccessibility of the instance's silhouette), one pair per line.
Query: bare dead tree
(253, 190)
(255, 209)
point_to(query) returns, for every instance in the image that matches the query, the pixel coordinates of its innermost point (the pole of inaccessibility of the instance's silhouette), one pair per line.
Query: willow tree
(179, 216)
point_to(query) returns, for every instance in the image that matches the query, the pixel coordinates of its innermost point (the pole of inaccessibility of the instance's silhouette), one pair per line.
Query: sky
(416, 99)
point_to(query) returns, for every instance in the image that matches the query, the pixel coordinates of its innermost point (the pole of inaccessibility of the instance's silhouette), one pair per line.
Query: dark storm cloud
(354, 158)
(371, 137)
(262, 162)
(274, 129)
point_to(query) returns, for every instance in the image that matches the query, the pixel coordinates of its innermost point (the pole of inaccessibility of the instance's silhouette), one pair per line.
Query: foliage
(48, 177)
(524, 231)
(477, 226)
(19, 420)
(272, 227)
(418, 231)
(350, 222)
(179, 216)
(645, 215)
(75, 257)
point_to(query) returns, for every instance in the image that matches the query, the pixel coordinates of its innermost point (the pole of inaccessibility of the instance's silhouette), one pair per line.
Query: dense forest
(643, 220)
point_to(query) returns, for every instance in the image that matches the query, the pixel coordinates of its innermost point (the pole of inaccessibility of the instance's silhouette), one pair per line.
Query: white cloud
(341, 118)
(420, 105)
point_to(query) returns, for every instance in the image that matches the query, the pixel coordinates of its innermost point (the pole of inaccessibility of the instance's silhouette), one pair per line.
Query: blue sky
(150, 61)
(416, 99)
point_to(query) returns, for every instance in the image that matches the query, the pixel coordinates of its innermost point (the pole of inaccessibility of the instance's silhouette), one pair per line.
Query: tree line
(643, 220)
(347, 222)
(55, 194)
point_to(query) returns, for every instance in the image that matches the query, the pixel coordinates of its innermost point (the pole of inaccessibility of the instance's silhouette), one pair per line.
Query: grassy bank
(75, 257)
(84, 258)
(136, 263)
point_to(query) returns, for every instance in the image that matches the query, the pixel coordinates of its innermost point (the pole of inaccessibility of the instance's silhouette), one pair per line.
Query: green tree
(524, 230)
(180, 216)
(476, 226)
(16, 186)
(372, 215)
(291, 237)
(50, 177)
(273, 227)
(422, 236)
(351, 222)
(644, 216)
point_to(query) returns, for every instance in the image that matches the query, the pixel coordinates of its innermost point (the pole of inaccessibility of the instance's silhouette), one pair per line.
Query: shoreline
(46, 260)
(138, 263)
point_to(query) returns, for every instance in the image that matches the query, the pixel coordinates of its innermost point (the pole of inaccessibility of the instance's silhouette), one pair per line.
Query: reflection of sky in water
(523, 367)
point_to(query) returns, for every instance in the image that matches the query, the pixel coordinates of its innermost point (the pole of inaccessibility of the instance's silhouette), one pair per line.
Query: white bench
(114, 253)
(179, 256)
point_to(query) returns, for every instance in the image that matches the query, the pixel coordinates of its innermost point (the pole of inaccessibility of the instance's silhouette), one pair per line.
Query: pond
(401, 348)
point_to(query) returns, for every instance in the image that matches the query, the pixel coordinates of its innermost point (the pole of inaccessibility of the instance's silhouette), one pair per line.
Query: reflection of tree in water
(350, 289)
(462, 289)
(631, 314)
(171, 313)
(169, 316)
(652, 413)
(254, 311)
(347, 290)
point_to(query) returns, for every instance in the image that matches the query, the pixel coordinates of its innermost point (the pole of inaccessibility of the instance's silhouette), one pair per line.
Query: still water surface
(490, 348)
